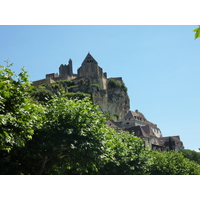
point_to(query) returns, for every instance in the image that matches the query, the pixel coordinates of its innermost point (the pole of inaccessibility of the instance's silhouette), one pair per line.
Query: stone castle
(112, 100)
(89, 69)
(115, 101)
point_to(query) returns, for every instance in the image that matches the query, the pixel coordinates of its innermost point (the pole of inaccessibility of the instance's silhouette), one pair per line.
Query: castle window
(89, 61)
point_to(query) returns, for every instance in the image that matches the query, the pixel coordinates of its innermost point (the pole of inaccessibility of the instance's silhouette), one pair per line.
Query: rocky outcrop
(112, 100)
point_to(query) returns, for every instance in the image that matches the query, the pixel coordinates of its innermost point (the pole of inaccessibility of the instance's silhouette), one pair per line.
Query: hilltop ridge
(109, 93)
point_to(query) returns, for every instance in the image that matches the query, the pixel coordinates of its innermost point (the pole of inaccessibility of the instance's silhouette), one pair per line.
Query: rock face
(112, 100)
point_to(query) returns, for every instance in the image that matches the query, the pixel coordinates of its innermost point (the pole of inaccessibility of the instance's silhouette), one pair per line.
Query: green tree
(172, 163)
(41, 95)
(191, 155)
(75, 140)
(112, 83)
(108, 116)
(69, 142)
(117, 116)
(124, 154)
(18, 114)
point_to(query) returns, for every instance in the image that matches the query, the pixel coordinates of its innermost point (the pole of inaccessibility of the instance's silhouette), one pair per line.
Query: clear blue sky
(159, 65)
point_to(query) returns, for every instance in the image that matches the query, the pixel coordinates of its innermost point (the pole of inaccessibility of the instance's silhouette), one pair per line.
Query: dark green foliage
(81, 81)
(96, 85)
(69, 142)
(18, 114)
(67, 83)
(117, 116)
(124, 88)
(172, 163)
(191, 155)
(116, 84)
(108, 116)
(77, 95)
(44, 86)
(72, 134)
(57, 86)
(113, 83)
(124, 154)
(71, 88)
(41, 95)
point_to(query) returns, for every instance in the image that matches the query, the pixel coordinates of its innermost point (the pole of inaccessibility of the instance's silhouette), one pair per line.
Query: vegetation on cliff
(113, 84)
(54, 134)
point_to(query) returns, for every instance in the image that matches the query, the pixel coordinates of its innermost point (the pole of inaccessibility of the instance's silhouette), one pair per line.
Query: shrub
(124, 154)
(79, 95)
(172, 163)
(116, 84)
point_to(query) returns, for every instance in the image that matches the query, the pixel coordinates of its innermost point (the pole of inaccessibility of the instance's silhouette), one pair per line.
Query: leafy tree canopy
(172, 163)
(191, 155)
(18, 114)
(68, 142)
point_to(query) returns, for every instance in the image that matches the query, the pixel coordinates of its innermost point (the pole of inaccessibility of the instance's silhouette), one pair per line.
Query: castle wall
(66, 77)
(65, 70)
(89, 70)
(39, 82)
(52, 76)
(101, 81)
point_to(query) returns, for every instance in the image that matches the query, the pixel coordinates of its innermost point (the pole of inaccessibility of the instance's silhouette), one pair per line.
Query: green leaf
(197, 34)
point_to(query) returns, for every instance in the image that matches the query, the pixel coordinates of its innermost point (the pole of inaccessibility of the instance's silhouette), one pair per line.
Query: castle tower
(89, 59)
(70, 65)
(66, 70)
(90, 68)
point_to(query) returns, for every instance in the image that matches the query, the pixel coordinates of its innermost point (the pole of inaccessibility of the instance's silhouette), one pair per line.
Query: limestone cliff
(112, 100)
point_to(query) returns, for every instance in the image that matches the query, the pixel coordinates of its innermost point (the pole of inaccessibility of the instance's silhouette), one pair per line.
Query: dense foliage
(112, 83)
(57, 134)
(172, 163)
(69, 142)
(124, 154)
(18, 114)
(41, 95)
(191, 155)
